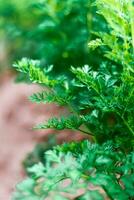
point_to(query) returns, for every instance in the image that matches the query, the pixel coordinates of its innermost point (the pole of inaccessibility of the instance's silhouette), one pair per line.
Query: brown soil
(17, 117)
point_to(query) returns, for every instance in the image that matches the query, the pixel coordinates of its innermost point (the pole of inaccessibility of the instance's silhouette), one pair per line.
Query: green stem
(127, 103)
(125, 122)
(107, 192)
(73, 111)
(85, 132)
(127, 125)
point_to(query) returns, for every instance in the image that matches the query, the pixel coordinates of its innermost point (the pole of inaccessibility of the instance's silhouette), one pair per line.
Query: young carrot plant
(101, 104)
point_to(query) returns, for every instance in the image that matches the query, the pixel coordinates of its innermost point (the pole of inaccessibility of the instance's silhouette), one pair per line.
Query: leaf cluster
(84, 170)
(101, 102)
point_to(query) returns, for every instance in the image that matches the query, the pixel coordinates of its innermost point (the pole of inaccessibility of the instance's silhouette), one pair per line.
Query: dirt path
(17, 116)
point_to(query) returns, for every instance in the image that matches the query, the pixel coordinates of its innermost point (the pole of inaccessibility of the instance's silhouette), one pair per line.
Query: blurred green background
(54, 31)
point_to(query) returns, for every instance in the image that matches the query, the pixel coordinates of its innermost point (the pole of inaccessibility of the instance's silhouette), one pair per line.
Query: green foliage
(99, 171)
(109, 101)
(35, 74)
(71, 122)
(100, 101)
(54, 31)
(51, 97)
(120, 37)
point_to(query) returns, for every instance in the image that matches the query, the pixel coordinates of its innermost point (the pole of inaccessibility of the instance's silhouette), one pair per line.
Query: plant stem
(126, 124)
(85, 132)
